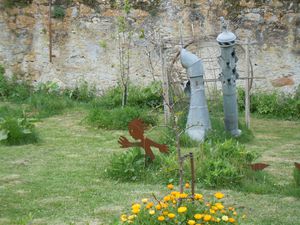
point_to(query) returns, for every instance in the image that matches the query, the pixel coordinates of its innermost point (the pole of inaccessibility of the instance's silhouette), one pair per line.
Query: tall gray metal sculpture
(198, 121)
(227, 61)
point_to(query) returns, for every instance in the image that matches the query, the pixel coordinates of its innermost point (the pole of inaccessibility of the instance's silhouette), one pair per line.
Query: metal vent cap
(226, 38)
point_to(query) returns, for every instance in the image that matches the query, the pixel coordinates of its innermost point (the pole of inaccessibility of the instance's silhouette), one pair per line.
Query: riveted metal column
(198, 121)
(228, 77)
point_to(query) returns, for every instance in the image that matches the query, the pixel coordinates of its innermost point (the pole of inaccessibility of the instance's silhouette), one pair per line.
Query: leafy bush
(15, 131)
(118, 118)
(223, 164)
(12, 89)
(296, 175)
(150, 96)
(167, 210)
(9, 111)
(58, 12)
(12, 3)
(273, 105)
(47, 104)
(82, 93)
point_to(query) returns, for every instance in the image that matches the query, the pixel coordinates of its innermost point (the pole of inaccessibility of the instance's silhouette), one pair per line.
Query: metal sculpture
(198, 121)
(297, 165)
(227, 61)
(258, 166)
(136, 129)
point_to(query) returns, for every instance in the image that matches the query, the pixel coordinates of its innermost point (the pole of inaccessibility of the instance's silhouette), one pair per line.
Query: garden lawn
(62, 180)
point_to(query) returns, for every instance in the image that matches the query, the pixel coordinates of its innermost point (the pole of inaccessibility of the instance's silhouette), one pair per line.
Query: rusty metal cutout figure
(136, 129)
(258, 166)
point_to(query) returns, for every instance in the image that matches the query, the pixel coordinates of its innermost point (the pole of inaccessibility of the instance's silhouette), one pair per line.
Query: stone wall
(85, 42)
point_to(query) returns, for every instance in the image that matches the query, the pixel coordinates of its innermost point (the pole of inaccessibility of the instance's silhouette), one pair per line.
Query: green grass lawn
(61, 180)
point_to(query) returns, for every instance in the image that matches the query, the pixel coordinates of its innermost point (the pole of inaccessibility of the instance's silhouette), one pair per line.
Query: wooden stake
(165, 83)
(247, 87)
(193, 174)
(50, 32)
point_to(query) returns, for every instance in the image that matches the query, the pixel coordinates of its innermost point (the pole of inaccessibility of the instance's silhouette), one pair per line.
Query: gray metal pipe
(198, 121)
(228, 77)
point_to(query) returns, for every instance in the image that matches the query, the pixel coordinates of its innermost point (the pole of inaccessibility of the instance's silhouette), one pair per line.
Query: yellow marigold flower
(174, 193)
(191, 222)
(207, 217)
(136, 210)
(161, 218)
(183, 195)
(212, 211)
(234, 213)
(207, 204)
(230, 208)
(165, 213)
(223, 211)
(171, 215)
(158, 207)
(225, 218)
(219, 205)
(218, 220)
(244, 216)
(167, 198)
(214, 208)
(231, 220)
(144, 200)
(174, 202)
(219, 195)
(136, 206)
(182, 209)
(187, 185)
(198, 196)
(170, 186)
(151, 212)
(131, 217)
(198, 216)
(149, 205)
(123, 218)
(164, 205)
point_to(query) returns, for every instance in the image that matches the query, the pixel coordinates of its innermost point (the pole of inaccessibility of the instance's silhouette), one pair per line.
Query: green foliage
(58, 12)
(48, 104)
(272, 105)
(14, 3)
(82, 93)
(17, 131)
(296, 175)
(223, 164)
(12, 89)
(129, 166)
(150, 96)
(118, 118)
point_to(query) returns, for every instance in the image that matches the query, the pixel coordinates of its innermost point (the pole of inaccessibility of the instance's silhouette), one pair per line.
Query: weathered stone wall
(85, 42)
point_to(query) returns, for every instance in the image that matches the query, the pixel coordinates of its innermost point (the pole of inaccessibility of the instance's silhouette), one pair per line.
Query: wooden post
(50, 32)
(247, 87)
(193, 174)
(165, 83)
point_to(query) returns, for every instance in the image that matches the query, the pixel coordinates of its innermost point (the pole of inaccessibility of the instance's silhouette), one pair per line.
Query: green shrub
(273, 105)
(47, 104)
(296, 175)
(15, 131)
(150, 96)
(13, 3)
(9, 111)
(58, 12)
(82, 93)
(118, 118)
(223, 164)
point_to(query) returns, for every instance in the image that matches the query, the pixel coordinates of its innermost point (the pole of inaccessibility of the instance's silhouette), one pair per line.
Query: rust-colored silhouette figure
(136, 129)
(258, 166)
(297, 165)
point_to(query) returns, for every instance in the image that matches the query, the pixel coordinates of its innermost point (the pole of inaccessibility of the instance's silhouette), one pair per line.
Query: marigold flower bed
(181, 208)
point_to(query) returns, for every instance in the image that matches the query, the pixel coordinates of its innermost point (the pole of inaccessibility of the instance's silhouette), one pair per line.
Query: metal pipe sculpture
(227, 61)
(198, 121)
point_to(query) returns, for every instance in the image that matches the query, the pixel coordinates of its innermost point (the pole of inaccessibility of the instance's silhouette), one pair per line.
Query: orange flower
(161, 218)
(170, 186)
(207, 217)
(219, 195)
(231, 220)
(187, 185)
